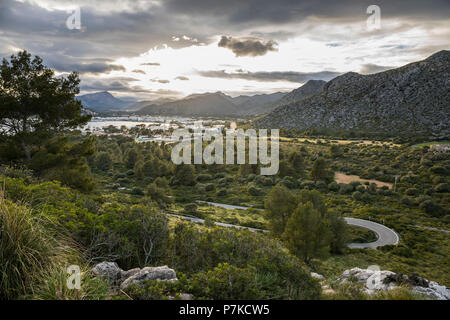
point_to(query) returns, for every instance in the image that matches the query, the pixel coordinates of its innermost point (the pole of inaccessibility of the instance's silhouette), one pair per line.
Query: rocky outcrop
(123, 279)
(382, 280)
(163, 273)
(109, 271)
(413, 99)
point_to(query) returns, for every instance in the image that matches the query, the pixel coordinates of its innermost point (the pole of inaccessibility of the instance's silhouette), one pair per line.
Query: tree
(279, 205)
(185, 174)
(307, 234)
(335, 151)
(339, 232)
(319, 170)
(103, 161)
(131, 157)
(296, 161)
(35, 105)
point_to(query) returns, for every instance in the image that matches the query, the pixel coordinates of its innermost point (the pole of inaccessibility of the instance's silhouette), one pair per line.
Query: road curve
(386, 236)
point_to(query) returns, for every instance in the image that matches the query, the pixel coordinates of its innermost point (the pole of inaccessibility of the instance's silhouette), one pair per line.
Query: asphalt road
(386, 236)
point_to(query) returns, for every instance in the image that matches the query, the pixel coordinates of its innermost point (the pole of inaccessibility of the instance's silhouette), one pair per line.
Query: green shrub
(28, 249)
(222, 192)
(54, 286)
(227, 282)
(442, 187)
(253, 190)
(356, 195)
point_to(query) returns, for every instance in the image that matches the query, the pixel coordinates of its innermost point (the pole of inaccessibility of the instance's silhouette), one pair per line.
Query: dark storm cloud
(114, 33)
(87, 68)
(263, 76)
(370, 68)
(282, 11)
(247, 46)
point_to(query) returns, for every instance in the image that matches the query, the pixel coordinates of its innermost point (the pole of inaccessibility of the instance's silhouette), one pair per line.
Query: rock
(183, 296)
(317, 276)
(126, 274)
(434, 290)
(384, 280)
(374, 279)
(108, 270)
(412, 99)
(163, 273)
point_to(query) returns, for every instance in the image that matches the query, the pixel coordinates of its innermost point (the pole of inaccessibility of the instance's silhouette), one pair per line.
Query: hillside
(207, 104)
(413, 99)
(103, 102)
(257, 104)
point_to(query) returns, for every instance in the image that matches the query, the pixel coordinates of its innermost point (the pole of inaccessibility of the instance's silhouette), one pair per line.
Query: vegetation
(75, 198)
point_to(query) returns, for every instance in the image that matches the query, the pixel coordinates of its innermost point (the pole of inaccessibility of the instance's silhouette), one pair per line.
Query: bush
(222, 192)
(411, 191)
(289, 182)
(357, 195)
(204, 177)
(345, 188)
(333, 186)
(227, 282)
(280, 273)
(210, 187)
(190, 208)
(137, 191)
(27, 249)
(253, 190)
(54, 286)
(431, 208)
(442, 187)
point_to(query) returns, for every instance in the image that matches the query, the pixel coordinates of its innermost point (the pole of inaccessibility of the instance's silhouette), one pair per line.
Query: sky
(150, 49)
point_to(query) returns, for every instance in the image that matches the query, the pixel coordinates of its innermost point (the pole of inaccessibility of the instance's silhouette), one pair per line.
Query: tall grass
(31, 250)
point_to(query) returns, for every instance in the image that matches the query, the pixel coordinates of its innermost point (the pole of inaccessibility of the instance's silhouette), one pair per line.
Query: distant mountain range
(411, 99)
(206, 104)
(103, 102)
(414, 99)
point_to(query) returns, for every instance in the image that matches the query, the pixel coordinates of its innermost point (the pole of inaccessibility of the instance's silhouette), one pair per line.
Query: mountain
(413, 99)
(257, 104)
(206, 104)
(141, 104)
(310, 88)
(103, 102)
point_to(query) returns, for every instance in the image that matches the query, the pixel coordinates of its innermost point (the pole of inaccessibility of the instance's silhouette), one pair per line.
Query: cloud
(251, 47)
(138, 71)
(369, 68)
(160, 81)
(83, 67)
(150, 64)
(182, 78)
(263, 76)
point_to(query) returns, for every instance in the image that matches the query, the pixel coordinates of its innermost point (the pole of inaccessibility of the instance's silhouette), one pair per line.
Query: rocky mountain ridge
(414, 99)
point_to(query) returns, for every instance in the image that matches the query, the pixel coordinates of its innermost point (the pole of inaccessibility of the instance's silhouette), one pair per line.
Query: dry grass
(340, 177)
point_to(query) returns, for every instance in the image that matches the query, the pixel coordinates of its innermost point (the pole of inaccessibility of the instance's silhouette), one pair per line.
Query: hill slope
(413, 99)
(103, 102)
(207, 104)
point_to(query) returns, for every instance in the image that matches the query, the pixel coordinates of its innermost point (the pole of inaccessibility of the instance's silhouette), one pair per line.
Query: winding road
(385, 235)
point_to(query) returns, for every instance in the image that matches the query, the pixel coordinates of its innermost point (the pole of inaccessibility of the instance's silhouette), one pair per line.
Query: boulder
(108, 270)
(434, 291)
(317, 276)
(163, 273)
(376, 280)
